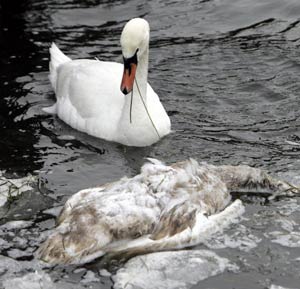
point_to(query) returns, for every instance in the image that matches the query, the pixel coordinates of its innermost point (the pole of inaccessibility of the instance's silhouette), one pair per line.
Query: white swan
(89, 98)
(164, 207)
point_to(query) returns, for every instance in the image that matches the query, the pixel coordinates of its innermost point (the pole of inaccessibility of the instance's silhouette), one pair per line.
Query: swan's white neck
(141, 77)
(138, 111)
(139, 124)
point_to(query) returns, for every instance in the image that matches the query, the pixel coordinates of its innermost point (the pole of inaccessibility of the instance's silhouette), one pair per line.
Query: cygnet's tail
(56, 59)
(71, 248)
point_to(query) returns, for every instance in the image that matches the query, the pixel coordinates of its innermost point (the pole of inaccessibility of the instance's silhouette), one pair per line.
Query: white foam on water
(170, 270)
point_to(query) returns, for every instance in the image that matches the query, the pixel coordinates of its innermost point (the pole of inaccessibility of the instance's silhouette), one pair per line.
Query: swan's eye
(129, 61)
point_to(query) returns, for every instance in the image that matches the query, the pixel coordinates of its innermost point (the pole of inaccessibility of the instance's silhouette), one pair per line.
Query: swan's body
(89, 98)
(164, 207)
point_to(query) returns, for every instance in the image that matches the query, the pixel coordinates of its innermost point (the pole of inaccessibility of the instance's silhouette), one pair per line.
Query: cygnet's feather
(164, 207)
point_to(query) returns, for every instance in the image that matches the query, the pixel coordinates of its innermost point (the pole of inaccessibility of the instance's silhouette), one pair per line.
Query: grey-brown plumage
(164, 207)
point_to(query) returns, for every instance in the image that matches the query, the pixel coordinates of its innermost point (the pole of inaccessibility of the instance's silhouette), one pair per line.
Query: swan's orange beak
(130, 66)
(128, 78)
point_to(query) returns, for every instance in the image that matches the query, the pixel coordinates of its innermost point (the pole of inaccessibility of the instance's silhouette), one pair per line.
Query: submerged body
(162, 208)
(89, 98)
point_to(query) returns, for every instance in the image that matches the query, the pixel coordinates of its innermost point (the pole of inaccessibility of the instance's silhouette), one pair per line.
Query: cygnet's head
(134, 42)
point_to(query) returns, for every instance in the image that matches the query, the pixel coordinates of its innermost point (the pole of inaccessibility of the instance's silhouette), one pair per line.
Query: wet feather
(163, 207)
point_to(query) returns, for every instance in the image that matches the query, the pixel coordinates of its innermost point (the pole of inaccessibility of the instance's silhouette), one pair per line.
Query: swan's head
(134, 42)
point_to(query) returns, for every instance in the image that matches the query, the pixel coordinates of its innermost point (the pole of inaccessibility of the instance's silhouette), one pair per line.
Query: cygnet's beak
(130, 65)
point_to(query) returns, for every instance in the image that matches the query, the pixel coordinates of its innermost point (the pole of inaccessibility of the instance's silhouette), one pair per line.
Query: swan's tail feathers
(75, 242)
(56, 59)
(50, 109)
(67, 249)
(52, 250)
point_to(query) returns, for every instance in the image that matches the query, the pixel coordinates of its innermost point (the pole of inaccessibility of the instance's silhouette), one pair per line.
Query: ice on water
(20, 224)
(13, 187)
(36, 280)
(170, 270)
(176, 269)
(279, 287)
(290, 239)
(89, 277)
(287, 233)
(241, 238)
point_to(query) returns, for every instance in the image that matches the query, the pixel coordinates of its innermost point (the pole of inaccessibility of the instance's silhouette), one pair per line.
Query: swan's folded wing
(175, 220)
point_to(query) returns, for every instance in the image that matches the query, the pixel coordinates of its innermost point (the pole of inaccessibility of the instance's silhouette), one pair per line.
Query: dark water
(227, 73)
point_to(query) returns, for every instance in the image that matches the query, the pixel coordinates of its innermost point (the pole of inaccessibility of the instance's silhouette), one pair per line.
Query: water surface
(228, 74)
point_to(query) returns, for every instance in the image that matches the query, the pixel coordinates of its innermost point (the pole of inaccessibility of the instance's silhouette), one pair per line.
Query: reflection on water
(227, 72)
